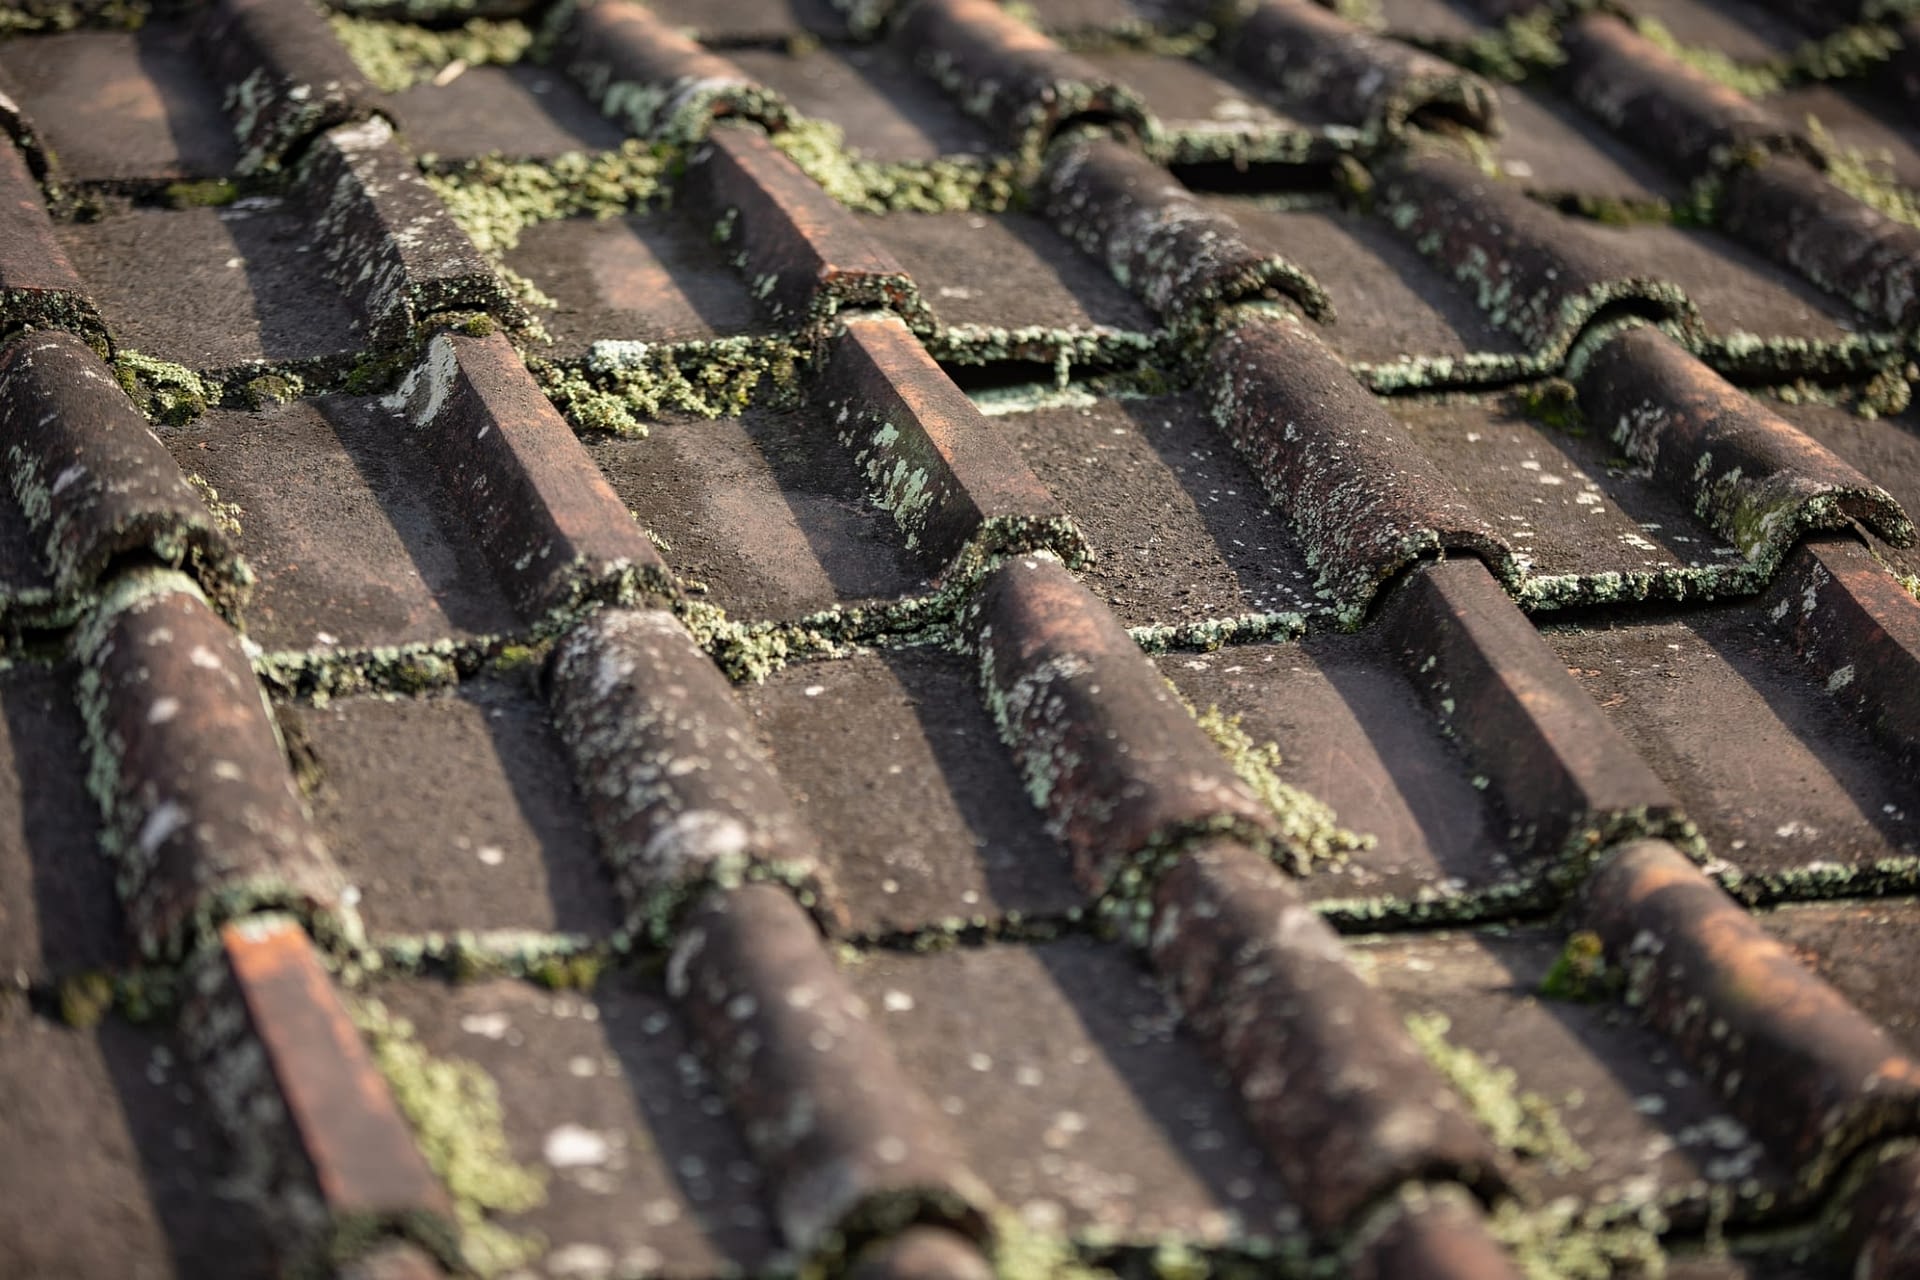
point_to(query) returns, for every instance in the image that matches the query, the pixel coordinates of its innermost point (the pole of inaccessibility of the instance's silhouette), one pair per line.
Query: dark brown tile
(602, 1093)
(886, 110)
(1181, 530)
(1075, 1092)
(1004, 271)
(343, 526)
(118, 106)
(61, 914)
(899, 770)
(454, 812)
(209, 288)
(644, 277)
(114, 1166)
(1783, 789)
(766, 510)
(522, 111)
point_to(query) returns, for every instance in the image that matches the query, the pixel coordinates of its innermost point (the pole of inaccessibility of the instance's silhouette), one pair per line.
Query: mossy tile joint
(95, 483)
(655, 81)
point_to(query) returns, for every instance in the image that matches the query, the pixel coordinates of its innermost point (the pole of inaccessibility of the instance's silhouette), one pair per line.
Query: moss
(620, 385)
(1755, 80)
(1563, 1240)
(1516, 50)
(576, 972)
(271, 389)
(1309, 825)
(454, 1109)
(37, 17)
(1021, 1252)
(1867, 178)
(1553, 403)
(85, 998)
(950, 184)
(225, 514)
(206, 194)
(1523, 1123)
(395, 56)
(494, 199)
(1580, 972)
(166, 392)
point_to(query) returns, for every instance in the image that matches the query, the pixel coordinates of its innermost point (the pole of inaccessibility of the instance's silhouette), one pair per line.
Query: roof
(937, 639)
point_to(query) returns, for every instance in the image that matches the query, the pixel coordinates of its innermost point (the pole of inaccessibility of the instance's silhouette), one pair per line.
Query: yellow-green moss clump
(495, 199)
(398, 55)
(946, 185)
(1309, 824)
(1867, 178)
(1522, 1122)
(1755, 79)
(454, 1108)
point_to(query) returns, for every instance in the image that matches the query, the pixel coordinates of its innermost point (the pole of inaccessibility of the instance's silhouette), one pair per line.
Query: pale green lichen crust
(454, 1110)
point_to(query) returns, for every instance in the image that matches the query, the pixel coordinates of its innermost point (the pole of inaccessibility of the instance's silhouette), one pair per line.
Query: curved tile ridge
(285, 77)
(1323, 63)
(315, 1124)
(680, 791)
(1106, 747)
(1530, 269)
(1691, 123)
(39, 289)
(957, 490)
(1759, 481)
(1808, 1074)
(1157, 822)
(1184, 260)
(200, 812)
(1859, 630)
(1790, 212)
(1010, 76)
(1266, 984)
(1362, 498)
(855, 1150)
(1569, 784)
(804, 254)
(657, 82)
(94, 481)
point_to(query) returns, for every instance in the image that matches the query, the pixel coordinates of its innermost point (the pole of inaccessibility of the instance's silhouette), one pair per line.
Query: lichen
(225, 514)
(1867, 178)
(166, 392)
(1521, 1122)
(1308, 825)
(1754, 79)
(454, 1109)
(395, 56)
(1565, 1240)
